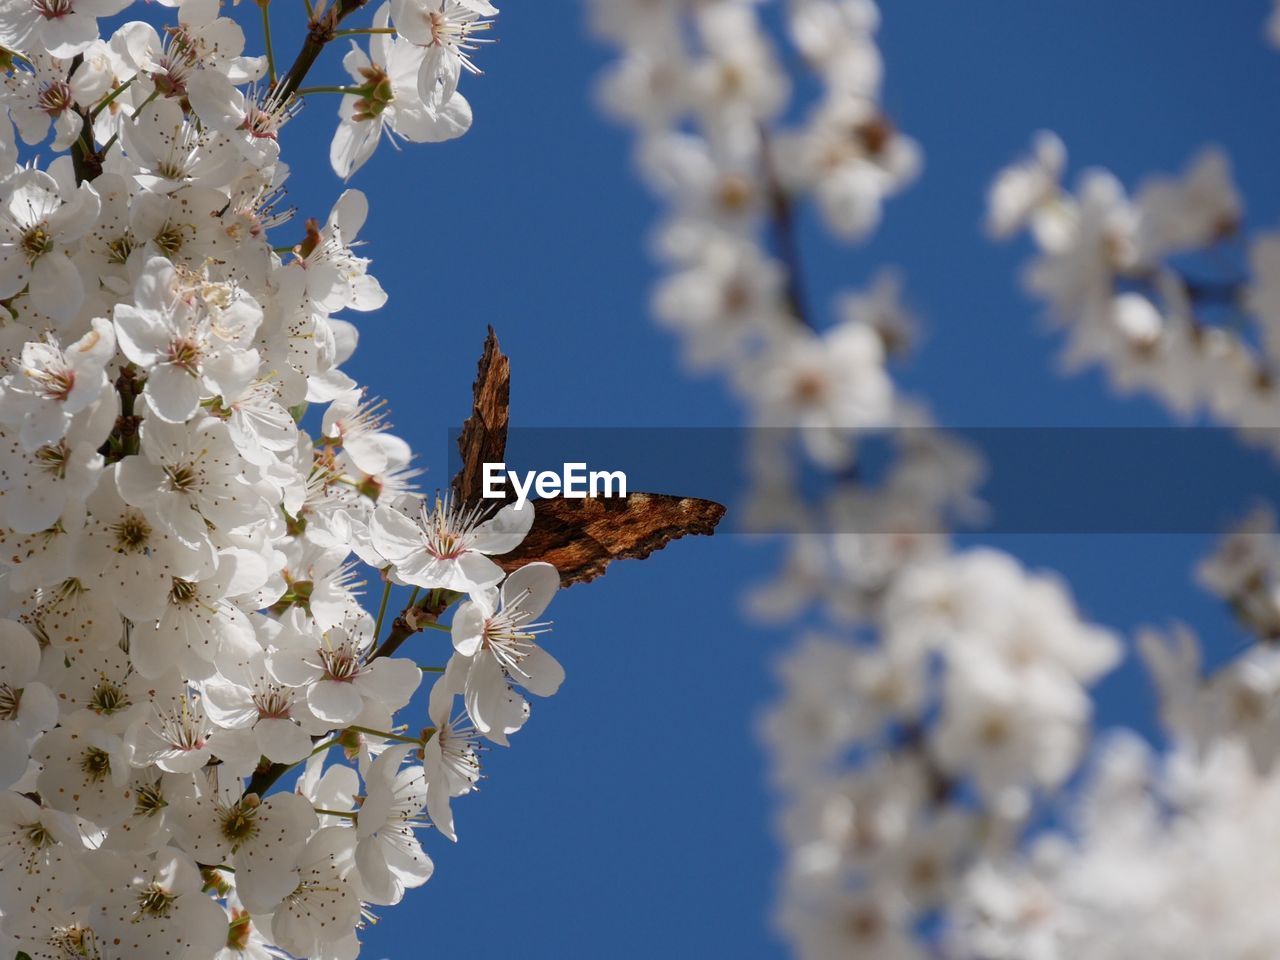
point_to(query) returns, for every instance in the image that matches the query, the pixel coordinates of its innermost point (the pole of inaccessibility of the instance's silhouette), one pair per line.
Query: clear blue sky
(630, 817)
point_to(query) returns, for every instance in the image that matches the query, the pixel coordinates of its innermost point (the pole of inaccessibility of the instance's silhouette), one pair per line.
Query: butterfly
(579, 537)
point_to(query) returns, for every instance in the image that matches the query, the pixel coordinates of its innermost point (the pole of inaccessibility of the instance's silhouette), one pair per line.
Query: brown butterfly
(579, 537)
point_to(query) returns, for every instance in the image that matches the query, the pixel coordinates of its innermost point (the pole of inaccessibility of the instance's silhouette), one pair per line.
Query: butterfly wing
(581, 537)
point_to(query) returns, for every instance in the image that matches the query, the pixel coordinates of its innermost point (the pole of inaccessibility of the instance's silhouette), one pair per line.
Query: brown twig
(321, 31)
(786, 243)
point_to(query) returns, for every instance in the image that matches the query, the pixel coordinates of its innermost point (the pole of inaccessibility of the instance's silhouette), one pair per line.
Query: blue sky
(630, 818)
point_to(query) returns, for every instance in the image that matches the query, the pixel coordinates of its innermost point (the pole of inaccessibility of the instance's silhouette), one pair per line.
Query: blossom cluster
(936, 703)
(706, 90)
(949, 691)
(1159, 850)
(1160, 854)
(1138, 282)
(182, 539)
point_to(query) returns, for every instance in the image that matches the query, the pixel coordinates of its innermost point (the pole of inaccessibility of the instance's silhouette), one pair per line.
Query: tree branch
(322, 29)
(785, 242)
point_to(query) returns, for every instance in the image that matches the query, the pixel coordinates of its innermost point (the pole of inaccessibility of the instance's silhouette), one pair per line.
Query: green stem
(358, 31)
(431, 669)
(350, 815)
(143, 105)
(443, 628)
(382, 609)
(110, 97)
(384, 735)
(346, 91)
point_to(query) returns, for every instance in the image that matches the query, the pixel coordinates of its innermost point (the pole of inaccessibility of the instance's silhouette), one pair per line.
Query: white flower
(170, 150)
(202, 40)
(1179, 214)
(450, 757)
(63, 28)
(388, 857)
(1022, 189)
(38, 220)
(34, 837)
(247, 697)
(827, 386)
(338, 672)
(390, 102)
(151, 906)
(447, 29)
(440, 544)
(201, 628)
(323, 908)
(174, 735)
(52, 384)
(27, 708)
(187, 353)
(250, 120)
(190, 479)
(360, 426)
(498, 635)
(328, 272)
(263, 839)
(37, 486)
(133, 559)
(47, 94)
(86, 772)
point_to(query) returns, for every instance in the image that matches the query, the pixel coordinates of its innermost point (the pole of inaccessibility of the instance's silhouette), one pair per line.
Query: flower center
(184, 352)
(340, 663)
(447, 533)
(132, 533)
(118, 250)
(183, 591)
(148, 800)
(37, 241)
(54, 383)
(454, 29)
(55, 99)
(155, 901)
(170, 239)
(96, 764)
(73, 941)
(53, 458)
(240, 823)
(272, 704)
(10, 702)
(377, 93)
(36, 835)
(181, 730)
(809, 388)
(108, 698)
(54, 9)
(182, 479)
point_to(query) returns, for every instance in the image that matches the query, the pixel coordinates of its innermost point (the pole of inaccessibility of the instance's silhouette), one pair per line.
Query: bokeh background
(631, 818)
